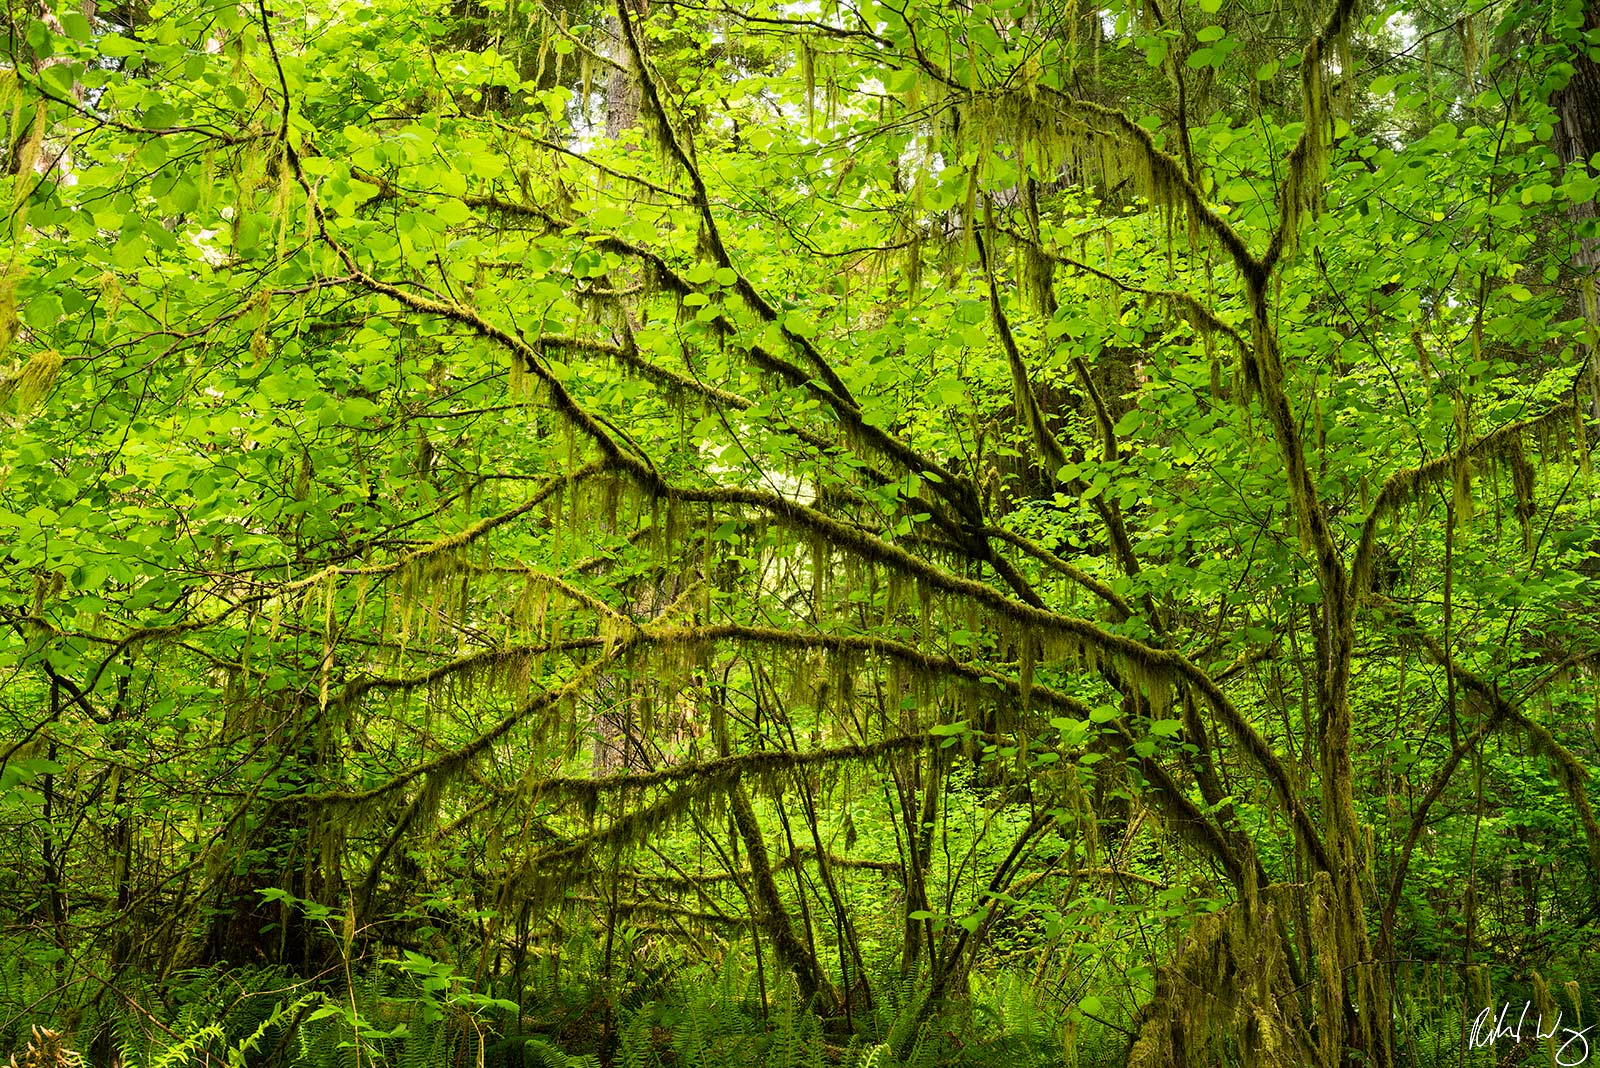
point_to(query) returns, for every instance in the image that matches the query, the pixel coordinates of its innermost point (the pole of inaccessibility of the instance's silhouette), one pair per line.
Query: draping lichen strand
(1218, 1001)
(1032, 657)
(1453, 468)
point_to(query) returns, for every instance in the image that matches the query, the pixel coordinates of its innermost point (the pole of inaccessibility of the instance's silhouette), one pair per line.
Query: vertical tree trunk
(1577, 138)
(622, 88)
(774, 918)
(272, 852)
(919, 849)
(55, 902)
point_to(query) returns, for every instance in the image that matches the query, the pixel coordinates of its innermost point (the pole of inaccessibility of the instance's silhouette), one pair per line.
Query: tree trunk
(622, 88)
(1577, 138)
(774, 918)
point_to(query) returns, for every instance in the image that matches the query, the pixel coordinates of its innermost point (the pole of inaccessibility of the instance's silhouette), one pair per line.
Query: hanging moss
(34, 379)
(1216, 1001)
(1522, 487)
(1408, 484)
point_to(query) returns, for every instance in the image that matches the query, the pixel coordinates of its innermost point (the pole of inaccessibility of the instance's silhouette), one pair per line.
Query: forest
(795, 533)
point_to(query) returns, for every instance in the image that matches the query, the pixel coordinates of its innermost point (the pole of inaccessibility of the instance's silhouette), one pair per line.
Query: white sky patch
(211, 254)
(729, 459)
(1404, 27)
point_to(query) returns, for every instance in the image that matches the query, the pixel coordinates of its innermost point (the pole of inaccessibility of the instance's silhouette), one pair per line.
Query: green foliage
(722, 534)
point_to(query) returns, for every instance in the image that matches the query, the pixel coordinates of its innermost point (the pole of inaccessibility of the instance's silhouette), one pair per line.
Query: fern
(637, 1049)
(697, 1019)
(178, 1054)
(689, 1041)
(876, 1057)
(538, 1053)
(782, 1051)
(425, 1042)
(904, 1008)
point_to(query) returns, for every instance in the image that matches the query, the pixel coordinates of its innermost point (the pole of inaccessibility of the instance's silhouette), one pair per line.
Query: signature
(1489, 1028)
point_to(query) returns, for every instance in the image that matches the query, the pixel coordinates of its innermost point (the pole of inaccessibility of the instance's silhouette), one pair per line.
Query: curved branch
(1404, 485)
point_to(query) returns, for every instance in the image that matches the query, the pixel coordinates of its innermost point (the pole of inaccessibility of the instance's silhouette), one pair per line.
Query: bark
(771, 917)
(622, 87)
(1577, 139)
(276, 852)
(919, 852)
(774, 918)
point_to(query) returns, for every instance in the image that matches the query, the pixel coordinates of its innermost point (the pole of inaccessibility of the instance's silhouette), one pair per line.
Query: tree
(910, 437)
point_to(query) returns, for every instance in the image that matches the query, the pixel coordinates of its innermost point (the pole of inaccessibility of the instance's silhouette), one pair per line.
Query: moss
(1408, 485)
(1214, 1003)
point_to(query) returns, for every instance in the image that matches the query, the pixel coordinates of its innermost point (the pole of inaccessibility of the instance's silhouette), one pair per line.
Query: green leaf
(116, 46)
(1580, 188)
(76, 25)
(451, 212)
(796, 323)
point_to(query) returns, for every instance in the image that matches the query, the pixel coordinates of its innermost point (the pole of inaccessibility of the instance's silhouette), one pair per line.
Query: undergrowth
(417, 1013)
(389, 1017)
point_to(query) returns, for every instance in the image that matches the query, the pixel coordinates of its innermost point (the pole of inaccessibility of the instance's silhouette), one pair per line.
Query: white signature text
(1490, 1027)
